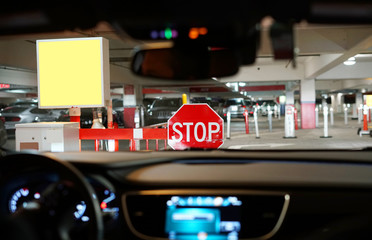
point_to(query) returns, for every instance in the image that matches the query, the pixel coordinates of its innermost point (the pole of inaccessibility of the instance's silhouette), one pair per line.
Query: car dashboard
(212, 194)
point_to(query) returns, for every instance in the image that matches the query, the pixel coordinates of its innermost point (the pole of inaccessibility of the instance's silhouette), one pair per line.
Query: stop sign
(195, 126)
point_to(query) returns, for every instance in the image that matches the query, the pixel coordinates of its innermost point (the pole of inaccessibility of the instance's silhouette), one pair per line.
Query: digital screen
(203, 217)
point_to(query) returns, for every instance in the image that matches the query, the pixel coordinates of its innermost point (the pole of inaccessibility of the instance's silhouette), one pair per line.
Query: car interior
(193, 193)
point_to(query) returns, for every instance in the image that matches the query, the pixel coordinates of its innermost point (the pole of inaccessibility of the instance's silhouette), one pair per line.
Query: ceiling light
(350, 61)
(241, 84)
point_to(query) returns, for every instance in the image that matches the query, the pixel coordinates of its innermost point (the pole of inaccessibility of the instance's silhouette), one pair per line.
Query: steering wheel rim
(11, 164)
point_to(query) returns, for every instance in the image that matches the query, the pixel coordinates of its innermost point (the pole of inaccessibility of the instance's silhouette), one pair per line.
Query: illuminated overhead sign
(73, 72)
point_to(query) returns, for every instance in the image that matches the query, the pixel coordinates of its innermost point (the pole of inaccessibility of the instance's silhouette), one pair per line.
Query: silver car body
(25, 114)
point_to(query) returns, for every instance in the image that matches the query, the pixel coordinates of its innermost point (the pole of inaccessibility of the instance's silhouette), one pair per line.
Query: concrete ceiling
(322, 49)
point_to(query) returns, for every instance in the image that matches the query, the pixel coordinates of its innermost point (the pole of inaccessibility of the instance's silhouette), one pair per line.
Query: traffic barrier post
(269, 114)
(345, 115)
(316, 117)
(364, 131)
(228, 122)
(246, 118)
(331, 116)
(295, 119)
(256, 123)
(325, 115)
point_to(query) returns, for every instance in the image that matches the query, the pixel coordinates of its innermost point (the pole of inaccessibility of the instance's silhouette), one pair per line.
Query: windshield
(309, 88)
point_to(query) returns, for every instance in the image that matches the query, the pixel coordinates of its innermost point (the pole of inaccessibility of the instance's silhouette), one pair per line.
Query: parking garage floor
(343, 136)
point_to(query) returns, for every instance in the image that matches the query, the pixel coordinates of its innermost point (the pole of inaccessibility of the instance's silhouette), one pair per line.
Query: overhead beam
(278, 71)
(319, 65)
(18, 77)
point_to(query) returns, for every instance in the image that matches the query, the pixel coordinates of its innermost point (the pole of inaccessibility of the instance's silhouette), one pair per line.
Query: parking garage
(331, 70)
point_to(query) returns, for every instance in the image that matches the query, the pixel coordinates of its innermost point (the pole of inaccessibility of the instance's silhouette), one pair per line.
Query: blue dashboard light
(154, 34)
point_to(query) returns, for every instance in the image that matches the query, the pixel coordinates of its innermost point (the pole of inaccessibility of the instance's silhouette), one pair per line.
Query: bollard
(345, 114)
(364, 131)
(365, 116)
(137, 125)
(184, 98)
(332, 117)
(142, 116)
(246, 121)
(316, 117)
(325, 115)
(228, 121)
(256, 123)
(270, 118)
(295, 119)
(276, 111)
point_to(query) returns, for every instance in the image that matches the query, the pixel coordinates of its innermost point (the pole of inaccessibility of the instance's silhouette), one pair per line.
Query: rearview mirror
(185, 63)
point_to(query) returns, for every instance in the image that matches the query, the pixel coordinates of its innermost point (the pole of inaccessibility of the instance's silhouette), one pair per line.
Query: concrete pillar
(132, 94)
(340, 102)
(359, 99)
(308, 104)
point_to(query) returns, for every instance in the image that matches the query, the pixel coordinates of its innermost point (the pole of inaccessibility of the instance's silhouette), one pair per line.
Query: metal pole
(256, 123)
(345, 113)
(269, 114)
(228, 120)
(332, 117)
(316, 117)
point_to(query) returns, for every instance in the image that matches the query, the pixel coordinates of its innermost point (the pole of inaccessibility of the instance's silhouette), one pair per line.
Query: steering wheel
(53, 216)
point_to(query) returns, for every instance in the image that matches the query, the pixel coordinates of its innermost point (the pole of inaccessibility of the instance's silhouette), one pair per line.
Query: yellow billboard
(368, 100)
(73, 72)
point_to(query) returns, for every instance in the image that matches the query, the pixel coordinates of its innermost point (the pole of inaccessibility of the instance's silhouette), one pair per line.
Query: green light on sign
(168, 33)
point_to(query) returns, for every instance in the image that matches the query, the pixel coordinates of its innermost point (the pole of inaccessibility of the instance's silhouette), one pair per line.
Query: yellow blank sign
(369, 100)
(73, 72)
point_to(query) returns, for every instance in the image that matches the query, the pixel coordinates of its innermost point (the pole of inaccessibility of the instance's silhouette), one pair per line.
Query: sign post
(195, 126)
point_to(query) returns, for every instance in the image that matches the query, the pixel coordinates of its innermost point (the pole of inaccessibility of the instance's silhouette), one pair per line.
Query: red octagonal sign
(195, 126)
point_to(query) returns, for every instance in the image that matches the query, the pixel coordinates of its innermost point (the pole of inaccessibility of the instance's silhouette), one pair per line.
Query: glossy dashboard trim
(206, 192)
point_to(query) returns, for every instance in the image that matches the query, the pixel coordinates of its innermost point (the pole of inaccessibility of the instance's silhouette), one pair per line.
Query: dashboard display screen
(203, 217)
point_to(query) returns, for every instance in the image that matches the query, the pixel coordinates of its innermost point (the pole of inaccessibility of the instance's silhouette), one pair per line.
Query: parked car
(236, 107)
(3, 134)
(86, 117)
(215, 104)
(118, 110)
(264, 104)
(25, 102)
(161, 110)
(25, 114)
